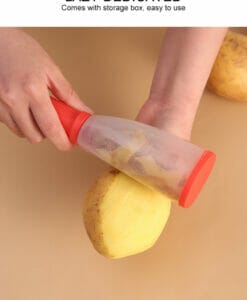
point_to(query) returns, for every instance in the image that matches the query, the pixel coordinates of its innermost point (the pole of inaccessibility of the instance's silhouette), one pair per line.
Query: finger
(25, 121)
(48, 121)
(63, 90)
(6, 118)
(14, 127)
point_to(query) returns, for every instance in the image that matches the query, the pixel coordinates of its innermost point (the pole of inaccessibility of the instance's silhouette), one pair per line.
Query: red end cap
(71, 118)
(196, 179)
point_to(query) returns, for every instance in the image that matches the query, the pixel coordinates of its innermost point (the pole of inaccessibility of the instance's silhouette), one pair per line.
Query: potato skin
(123, 217)
(228, 77)
(91, 209)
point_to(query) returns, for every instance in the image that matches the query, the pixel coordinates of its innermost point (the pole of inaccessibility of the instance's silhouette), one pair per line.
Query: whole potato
(228, 77)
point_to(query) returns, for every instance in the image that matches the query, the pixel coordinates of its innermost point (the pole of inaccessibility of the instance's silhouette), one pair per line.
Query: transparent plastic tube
(151, 156)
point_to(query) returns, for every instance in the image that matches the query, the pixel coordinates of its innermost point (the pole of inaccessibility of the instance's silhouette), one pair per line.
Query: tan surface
(45, 253)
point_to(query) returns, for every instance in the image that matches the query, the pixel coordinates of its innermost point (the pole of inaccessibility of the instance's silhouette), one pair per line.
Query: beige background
(44, 251)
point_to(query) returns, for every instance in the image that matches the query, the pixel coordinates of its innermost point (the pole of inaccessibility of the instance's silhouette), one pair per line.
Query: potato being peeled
(228, 77)
(123, 217)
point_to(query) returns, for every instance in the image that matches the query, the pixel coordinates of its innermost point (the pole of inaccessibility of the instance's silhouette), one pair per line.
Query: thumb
(63, 91)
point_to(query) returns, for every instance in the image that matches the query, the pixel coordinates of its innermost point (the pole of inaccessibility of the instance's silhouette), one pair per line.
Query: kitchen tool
(151, 156)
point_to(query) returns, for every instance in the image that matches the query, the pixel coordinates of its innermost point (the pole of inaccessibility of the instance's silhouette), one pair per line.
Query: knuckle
(51, 129)
(8, 97)
(30, 86)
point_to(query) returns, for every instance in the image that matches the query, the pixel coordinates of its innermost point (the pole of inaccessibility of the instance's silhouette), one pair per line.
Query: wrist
(176, 107)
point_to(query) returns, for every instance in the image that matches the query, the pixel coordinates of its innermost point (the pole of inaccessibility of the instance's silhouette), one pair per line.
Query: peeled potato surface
(123, 217)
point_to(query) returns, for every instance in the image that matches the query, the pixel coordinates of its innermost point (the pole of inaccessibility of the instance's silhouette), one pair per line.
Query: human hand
(185, 62)
(27, 73)
(166, 116)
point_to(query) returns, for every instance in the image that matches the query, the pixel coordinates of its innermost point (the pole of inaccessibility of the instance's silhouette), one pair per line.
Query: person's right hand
(27, 74)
